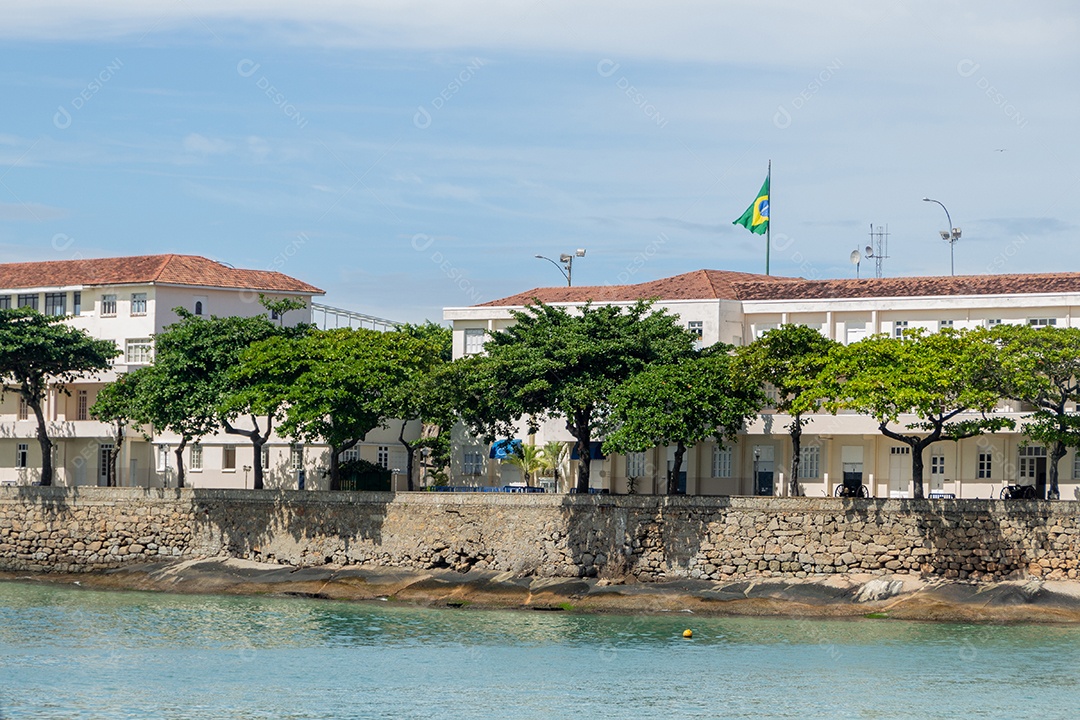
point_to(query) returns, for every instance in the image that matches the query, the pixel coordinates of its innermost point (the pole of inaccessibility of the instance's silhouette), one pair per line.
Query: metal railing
(325, 318)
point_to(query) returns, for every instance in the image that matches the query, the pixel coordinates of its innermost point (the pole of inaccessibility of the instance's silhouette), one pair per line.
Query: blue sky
(407, 156)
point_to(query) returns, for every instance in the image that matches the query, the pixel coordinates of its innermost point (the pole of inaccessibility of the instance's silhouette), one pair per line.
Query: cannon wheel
(1006, 494)
(863, 492)
(1029, 492)
(839, 492)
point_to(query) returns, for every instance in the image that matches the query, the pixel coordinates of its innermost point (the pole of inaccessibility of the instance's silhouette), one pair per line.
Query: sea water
(72, 653)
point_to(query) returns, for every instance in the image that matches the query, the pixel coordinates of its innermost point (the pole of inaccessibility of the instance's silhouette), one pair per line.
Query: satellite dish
(869, 251)
(855, 257)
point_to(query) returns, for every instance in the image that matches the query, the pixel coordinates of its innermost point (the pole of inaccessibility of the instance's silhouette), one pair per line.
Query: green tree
(335, 386)
(943, 379)
(189, 389)
(790, 358)
(564, 363)
(417, 398)
(682, 403)
(1041, 367)
(117, 403)
(38, 352)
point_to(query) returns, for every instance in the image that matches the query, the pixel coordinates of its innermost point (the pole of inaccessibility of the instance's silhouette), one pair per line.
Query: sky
(409, 156)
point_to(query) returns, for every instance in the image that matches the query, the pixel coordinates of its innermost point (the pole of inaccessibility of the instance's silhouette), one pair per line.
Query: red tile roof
(1035, 283)
(697, 285)
(159, 269)
(720, 284)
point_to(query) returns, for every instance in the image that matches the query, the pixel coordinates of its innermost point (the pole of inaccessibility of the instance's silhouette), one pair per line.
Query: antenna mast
(878, 247)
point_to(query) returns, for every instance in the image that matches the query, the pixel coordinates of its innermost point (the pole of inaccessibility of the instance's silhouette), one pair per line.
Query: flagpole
(768, 223)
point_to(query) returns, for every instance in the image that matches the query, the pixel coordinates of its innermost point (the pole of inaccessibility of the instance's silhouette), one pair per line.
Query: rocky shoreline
(904, 597)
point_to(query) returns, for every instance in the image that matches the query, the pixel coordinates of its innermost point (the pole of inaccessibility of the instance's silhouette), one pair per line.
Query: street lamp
(567, 268)
(951, 235)
(757, 454)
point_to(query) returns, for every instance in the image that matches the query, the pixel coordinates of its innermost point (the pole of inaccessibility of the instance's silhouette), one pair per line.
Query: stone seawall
(646, 538)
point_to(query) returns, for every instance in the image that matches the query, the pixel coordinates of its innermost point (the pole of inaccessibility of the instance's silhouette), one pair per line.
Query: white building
(736, 307)
(129, 300)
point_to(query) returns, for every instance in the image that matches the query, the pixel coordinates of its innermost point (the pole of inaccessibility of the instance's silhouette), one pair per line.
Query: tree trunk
(1057, 452)
(582, 431)
(180, 462)
(114, 454)
(676, 468)
(335, 467)
(917, 469)
(409, 450)
(258, 438)
(796, 455)
(43, 438)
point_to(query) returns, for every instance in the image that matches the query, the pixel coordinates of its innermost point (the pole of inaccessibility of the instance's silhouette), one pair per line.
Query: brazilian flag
(756, 217)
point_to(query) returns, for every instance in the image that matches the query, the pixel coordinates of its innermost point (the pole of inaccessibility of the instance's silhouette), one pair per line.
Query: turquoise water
(71, 653)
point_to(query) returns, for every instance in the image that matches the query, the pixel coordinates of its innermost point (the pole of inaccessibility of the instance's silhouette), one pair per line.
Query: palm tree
(527, 457)
(554, 452)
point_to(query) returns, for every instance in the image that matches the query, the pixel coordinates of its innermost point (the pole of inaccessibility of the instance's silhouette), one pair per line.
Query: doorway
(900, 472)
(106, 469)
(1031, 468)
(764, 470)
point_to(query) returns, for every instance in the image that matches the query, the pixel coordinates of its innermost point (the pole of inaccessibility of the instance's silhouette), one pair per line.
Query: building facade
(129, 300)
(735, 308)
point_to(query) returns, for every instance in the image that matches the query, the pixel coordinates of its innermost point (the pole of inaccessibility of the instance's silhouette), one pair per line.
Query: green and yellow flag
(756, 217)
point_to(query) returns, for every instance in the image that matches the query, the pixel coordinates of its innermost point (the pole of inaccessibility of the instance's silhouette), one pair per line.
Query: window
(162, 458)
(228, 458)
(81, 405)
(296, 457)
(5, 302)
(196, 457)
(139, 351)
(696, 328)
(1042, 322)
(984, 469)
(138, 303)
(30, 301)
(108, 305)
(22, 450)
(24, 409)
(383, 457)
(635, 464)
(942, 324)
(901, 450)
(474, 341)
(1076, 465)
(721, 461)
(993, 323)
(899, 328)
(770, 394)
(810, 461)
(350, 455)
(397, 460)
(56, 304)
(760, 330)
(937, 465)
(472, 462)
(265, 453)
(76, 303)
(200, 304)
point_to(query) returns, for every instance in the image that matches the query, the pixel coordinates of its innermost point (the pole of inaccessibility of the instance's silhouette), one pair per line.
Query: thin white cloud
(197, 144)
(30, 212)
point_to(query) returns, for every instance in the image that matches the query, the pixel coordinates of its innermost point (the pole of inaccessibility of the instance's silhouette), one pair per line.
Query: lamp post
(757, 454)
(951, 235)
(567, 267)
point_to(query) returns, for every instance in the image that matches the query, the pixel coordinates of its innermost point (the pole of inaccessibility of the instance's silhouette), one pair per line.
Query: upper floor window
(29, 300)
(24, 409)
(82, 403)
(56, 303)
(472, 462)
(138, 303)
(899, 328)
(943, 324)
(1042, 322)
(199, 308)
(696, 328)
(5, 302)
(994, 322)
(474, 340)
(139, 351)
(108, 305)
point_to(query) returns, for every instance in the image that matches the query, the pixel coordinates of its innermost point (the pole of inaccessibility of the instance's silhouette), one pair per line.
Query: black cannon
(852, 487)
(1018, 492)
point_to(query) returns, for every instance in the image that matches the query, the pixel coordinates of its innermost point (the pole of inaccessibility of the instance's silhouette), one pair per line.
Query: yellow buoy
(688, 633)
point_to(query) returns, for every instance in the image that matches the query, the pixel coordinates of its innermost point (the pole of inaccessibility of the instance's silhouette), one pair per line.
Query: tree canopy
(564, 363)
(943, 379)
(682, 403)
(39, 352)
(790, 358)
